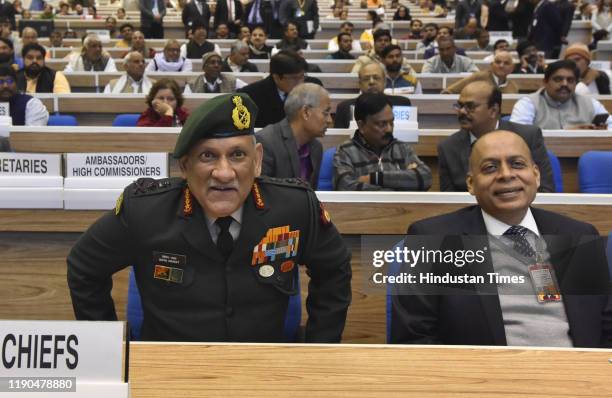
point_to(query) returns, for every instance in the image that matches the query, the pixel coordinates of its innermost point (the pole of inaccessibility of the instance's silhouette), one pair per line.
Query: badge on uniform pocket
(169, 267)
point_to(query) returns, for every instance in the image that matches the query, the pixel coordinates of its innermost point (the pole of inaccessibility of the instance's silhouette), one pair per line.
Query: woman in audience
(258, 49)
(165, 106)
(402, 14)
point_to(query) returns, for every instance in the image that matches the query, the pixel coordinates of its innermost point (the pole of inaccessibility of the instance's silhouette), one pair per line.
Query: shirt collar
(473, 138)
(497, 228)
(496, 79)
(237, 216)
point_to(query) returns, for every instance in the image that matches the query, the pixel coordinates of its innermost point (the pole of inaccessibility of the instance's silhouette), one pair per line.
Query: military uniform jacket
(189, 293)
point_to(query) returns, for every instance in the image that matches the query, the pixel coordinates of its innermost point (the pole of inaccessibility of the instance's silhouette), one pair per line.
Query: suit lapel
(489, 300)
(290, 146)
(465, 149)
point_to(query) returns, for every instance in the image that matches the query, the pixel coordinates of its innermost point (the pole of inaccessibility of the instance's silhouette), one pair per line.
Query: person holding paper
(216, 252)
(374, 160)
(544, 276)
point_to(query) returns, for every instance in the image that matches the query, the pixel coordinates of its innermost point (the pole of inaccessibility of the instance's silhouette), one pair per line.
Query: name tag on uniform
(167, 266)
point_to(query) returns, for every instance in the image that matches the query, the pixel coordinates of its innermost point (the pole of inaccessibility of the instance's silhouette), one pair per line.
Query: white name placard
(117, 165)
(92, 352)
(405, 113)
(30, 164)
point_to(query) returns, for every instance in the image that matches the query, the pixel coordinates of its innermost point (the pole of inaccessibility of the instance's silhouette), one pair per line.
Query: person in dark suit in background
(478, 112)
(465, 10)
(573, 308)
(231, 13)
(196, 11)
(291, 148)
(371, 80)
(238, 60)
(546, 28)
(152, 14)
(304, 13)
(286, 71)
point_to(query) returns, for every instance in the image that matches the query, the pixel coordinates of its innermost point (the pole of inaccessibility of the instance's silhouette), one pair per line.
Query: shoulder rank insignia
(240, 114)
(259, 203)
(118, 204)
(187, 202)
(325, 218)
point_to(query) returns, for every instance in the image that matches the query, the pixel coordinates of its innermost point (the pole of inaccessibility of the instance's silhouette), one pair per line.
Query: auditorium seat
(126, 120)
(62, 120)
(291, 332)
(326, 174)
(594, 174)
(556, 170)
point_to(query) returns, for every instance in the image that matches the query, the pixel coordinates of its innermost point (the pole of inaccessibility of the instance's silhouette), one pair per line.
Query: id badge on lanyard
(543, 278)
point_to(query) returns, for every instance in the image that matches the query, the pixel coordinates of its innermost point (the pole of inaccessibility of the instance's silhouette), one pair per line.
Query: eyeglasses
(8, 80)
(468, 106)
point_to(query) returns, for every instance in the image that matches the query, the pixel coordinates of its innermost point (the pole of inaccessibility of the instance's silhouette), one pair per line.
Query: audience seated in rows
(291, 148)
(139, 45)
(497, 74)
(556, 106)
(258, 49)
(345, 46)
(165, 106)
(373, 160)
(371, 80)
(448, 61)
(382, 38)
(198, 44)
(170, 60)
(238, 59)
(91, 58)
(126, 30)
(212, 80)
(334, 43)
(592, 81)
(36, 77)
(133, 80)
(478, 111)
(397, 81)
(24, 109)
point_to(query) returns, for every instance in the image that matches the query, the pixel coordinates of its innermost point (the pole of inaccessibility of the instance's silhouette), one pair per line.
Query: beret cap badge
(240, 114)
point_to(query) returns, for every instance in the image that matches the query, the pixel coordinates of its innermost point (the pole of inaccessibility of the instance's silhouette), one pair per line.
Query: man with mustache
(555, 287)
(36, 77)
(557, 106)
(133, 80)
(24, 109)
(92, 58)
(216, 252)
(373, 160)
(478, 111)
(396, 81)
(7, 54)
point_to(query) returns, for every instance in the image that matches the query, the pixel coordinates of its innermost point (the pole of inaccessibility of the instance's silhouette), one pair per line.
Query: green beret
(227, 115)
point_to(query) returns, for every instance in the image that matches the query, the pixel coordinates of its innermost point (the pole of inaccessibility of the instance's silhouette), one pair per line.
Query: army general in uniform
(216, 252)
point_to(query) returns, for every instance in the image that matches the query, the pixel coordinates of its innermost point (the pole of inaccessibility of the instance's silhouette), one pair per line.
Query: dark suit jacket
(281, 158)
(343, 117)
(146, 11)
(454, 153)
(464, 9)
(221, 14)
(191, 14)
(248, 67)
(580, 266)
(546, 34)
(265, 92)
(288, 13)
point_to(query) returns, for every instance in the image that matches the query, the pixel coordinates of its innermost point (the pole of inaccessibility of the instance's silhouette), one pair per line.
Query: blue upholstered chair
(62, 120)
(126, 120)
(326, 174)
(556, 170)
(291, 330)
(594, 172)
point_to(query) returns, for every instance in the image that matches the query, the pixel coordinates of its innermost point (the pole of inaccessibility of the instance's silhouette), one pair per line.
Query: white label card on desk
(405, 113)
(91, 352)
(30, 164)
(117, 165)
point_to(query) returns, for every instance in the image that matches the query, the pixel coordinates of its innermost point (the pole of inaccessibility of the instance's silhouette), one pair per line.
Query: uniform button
(229, 311)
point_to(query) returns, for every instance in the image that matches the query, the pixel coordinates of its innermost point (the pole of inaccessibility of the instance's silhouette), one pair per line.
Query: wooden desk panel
(196, 370)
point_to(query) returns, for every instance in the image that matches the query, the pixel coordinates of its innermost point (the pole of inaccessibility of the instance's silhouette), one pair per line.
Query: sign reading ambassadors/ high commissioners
(85, 359)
